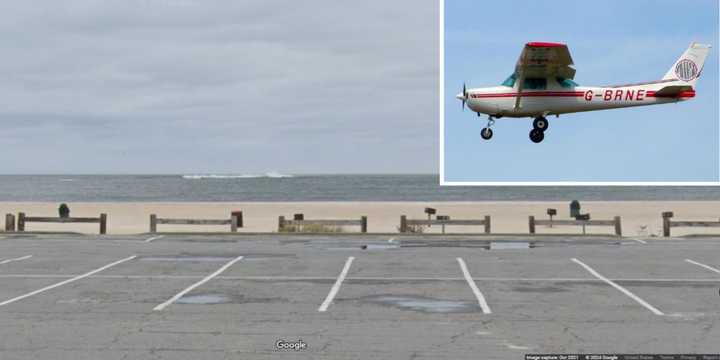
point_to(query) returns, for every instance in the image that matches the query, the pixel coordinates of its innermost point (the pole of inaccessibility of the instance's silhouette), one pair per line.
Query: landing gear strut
(487, 132)
(537, 134)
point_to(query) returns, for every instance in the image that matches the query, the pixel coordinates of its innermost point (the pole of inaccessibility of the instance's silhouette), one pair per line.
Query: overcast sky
(184, 86)
(611, 42)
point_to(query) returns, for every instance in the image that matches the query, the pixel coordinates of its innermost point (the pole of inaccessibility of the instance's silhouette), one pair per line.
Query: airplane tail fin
(688, 67)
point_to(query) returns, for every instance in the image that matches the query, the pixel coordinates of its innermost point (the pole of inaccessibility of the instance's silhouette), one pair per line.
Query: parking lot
(191, 297)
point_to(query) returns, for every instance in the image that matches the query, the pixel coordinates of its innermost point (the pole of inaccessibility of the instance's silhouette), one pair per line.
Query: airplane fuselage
(499, 101)
(543, 84)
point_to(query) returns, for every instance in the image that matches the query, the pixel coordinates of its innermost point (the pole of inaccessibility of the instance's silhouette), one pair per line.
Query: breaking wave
(236, 176)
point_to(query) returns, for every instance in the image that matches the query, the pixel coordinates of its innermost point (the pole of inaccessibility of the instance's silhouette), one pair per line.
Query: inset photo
(578, 93)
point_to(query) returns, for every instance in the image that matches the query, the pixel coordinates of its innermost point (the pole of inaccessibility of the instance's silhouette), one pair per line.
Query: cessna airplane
(542, 85)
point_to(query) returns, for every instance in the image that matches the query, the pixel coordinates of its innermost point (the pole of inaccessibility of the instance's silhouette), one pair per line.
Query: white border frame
(441, 95)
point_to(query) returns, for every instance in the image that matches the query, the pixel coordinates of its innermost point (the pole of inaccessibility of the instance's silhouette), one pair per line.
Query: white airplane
(542, 85)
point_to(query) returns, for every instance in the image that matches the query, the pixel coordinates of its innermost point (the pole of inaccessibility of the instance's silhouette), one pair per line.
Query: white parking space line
(351, 278)
(480, 298)
(15, 259)
(620, 288)
(154, 238)
(640, 241)
(336, 287)
(6, 302)
(703, 265)
(189, 288)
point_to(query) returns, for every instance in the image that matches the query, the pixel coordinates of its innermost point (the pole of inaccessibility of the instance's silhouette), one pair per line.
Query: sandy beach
(639, 218)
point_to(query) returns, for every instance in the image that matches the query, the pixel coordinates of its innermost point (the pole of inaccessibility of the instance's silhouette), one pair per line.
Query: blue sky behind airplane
(611, 42)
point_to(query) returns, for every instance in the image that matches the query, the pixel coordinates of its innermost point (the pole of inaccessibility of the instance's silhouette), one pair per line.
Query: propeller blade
(464, 97)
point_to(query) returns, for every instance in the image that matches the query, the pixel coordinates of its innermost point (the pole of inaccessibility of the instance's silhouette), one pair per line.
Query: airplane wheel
(486, 133)
(536, 135)
(541, 123)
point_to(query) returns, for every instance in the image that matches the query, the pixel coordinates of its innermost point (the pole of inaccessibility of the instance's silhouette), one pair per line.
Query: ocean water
(282, 187)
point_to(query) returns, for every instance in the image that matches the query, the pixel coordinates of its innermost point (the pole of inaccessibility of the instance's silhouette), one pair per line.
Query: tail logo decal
(686, 70)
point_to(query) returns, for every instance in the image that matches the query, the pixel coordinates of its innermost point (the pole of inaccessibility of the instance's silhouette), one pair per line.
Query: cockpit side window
(566, 83)
(510, 81)
(535, 83)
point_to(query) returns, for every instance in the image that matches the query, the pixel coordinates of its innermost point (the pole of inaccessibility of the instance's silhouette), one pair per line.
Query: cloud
(347, 83)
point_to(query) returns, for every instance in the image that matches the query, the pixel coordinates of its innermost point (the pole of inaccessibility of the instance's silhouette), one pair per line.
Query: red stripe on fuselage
(529, 94)
(682, 94)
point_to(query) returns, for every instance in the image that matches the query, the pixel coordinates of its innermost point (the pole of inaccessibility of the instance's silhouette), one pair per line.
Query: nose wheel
(487, 132)
(537, 134)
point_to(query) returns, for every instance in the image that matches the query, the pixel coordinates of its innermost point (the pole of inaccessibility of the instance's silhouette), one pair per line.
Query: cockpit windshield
(510, 81)
(566, 83)
(538, 83)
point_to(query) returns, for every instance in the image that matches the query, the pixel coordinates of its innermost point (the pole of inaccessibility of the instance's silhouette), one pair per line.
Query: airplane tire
(536, 135)
(486, 133)
(540, 123)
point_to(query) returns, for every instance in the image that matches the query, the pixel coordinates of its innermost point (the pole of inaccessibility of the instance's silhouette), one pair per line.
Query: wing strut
(521, 81)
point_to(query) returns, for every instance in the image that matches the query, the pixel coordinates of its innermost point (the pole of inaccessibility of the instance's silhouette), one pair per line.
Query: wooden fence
(300, 221)
(234, 221)
(23, 219)
(405, 223)
(532, 222)
(668, 224)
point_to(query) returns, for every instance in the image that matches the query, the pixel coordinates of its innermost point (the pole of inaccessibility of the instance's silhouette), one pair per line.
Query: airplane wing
(543, 60)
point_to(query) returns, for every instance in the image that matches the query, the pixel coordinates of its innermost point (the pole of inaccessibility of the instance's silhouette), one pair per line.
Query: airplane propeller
(464, 96)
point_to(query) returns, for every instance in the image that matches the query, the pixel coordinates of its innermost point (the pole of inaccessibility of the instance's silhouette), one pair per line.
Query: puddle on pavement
(366, 247)
(188, 258)
(204, 299)
(266, 256)
(380, 246)
(539, 289)
(423, 304)
(218, 298)
(509, 245)
(690, 316)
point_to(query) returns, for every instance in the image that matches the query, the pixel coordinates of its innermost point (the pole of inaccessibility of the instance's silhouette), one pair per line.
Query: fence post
(21, 221)
(299, 217)
(403, 223)
(153, 223)
(233, 223)
(666, 222)
(281, 223)
(103, 224)
(618, 226)
(9, 222)
(531, 224)
(363, 224)
(487, 224)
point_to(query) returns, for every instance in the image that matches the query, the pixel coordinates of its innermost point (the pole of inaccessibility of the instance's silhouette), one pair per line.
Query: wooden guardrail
(405, 223)
(532, 223)
(23, 219)
(668, 223)
(234, 221)
(300, 221)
